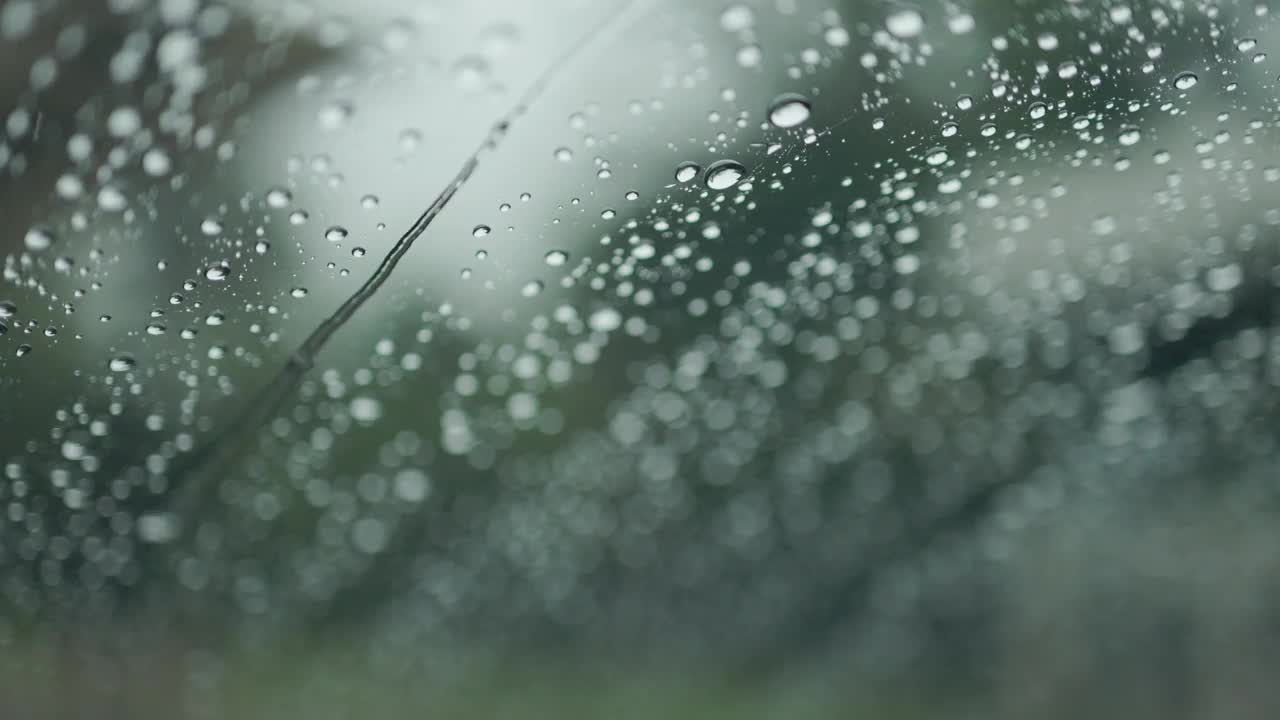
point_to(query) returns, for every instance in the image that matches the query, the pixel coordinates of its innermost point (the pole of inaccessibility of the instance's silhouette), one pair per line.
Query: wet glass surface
(817, 358)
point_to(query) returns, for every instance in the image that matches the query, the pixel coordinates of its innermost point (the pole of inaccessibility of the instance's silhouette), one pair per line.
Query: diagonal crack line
(248, 421)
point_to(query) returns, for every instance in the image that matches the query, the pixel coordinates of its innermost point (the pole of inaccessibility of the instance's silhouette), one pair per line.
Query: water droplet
(724, 174)
(480, 231)
(605, 320)
(111, 199)
(936, 156)
(357, 252)
(557, 258)
(298, 292)
(218, 271)
(905, 22)
(7, 310)
(23, 350)
(337, 233)
(1185, 80)
(471, 73)
(1130, 135)
(789, 110)
(156, 329)
(210, 227)
(38, 238)
(564, 154)
(750, 56)
(687, 171)
(369, 202)
(336, 114)
(736, 18)
(279, 198)
(298, 217)
(531, 288)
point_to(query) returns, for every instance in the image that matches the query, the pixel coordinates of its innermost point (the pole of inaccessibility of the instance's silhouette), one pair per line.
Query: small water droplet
(1185, 80)
(480, 231)
(337, 233)
(336, 114)
(298, 292)
(531, 288)
(556, 258)
(564, 154)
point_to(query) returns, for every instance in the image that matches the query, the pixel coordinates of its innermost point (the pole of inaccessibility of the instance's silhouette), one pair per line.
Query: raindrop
(1185, 81)
(111, 199)
(336, 114)
(337, 233)
(905, 22)
(218, 271)
(687, 171)
(531, 288)
(298, 292)
(38, 239)
(789, 110)
(557, 258)
(278, 198)
(724, 174)
(480, 231)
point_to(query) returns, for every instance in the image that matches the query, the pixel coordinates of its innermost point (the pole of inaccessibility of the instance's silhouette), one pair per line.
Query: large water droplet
(218, 271)
(556, 258)
(905, 21)
(1185, 81)
(687, 171)
(38, 239)
(122, 363)
(337, 233)
(789, 110)
(724, 174)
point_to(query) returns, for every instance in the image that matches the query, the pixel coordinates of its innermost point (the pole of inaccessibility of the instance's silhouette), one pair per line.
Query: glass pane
(627, 358)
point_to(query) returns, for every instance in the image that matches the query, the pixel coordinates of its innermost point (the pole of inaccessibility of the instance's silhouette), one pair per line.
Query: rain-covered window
(639, 359)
